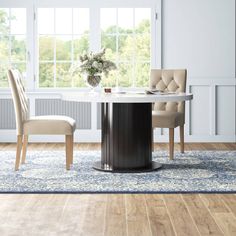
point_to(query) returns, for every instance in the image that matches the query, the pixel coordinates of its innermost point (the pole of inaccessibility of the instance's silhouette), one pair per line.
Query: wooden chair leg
(72, 148)
(69, 147)
(181, 131)
(171, 143)
(24, 149)
(18, 151)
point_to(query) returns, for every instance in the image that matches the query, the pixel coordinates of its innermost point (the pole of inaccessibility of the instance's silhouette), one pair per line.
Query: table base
(153, 166)
(126, 138)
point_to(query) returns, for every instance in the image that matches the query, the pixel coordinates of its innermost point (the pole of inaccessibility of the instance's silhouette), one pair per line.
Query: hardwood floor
(118, 214)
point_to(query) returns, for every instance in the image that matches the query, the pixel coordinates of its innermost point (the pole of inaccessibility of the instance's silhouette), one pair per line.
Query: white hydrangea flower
(93, 64)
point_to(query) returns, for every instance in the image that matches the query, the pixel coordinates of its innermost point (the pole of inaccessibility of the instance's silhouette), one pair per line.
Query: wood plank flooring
(118, 214)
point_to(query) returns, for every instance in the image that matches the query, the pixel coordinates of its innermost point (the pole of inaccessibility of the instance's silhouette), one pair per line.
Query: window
(12, 41)
(63, 35)
(44, 38)
(127, 38)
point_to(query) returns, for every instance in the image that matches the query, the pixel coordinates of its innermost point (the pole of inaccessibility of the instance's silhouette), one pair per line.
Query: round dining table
(126, 128)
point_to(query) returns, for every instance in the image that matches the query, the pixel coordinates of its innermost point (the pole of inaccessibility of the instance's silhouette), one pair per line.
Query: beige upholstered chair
(26, 125)
(169, 114)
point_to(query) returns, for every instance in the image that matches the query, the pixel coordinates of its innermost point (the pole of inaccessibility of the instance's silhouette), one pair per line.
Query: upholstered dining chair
(169, 114)
(26, 125)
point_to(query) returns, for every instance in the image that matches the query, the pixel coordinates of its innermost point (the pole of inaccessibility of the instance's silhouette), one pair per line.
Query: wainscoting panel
(210, 116)
(200, 110)
(80, 111)
(225, 110)
(7, 118)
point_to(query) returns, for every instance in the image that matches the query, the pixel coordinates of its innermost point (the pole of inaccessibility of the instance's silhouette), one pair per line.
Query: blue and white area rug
(193, 171)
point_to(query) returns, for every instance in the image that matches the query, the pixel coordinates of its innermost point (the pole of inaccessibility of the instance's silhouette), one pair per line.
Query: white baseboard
(91, 136)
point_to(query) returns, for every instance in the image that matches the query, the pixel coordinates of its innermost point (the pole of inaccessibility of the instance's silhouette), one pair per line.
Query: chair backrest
(19, 99)
(169, 80)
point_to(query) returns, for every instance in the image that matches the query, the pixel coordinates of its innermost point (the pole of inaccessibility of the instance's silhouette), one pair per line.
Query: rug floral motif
(193, 171)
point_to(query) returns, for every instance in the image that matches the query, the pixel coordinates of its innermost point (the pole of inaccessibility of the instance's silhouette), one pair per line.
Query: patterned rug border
(122, 192)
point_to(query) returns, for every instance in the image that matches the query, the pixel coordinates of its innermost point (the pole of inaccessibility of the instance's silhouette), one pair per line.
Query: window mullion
(54, 54)
(10, 37)
(72, 44)
(30, 45)
(117, 48)
(156, 44)
(134, 54)
(95, 29)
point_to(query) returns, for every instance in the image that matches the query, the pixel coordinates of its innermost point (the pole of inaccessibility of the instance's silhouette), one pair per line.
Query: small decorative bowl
(107, 90)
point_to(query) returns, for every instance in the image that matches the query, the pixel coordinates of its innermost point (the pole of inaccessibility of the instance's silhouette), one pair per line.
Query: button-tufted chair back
(19, 98)
(169, 80)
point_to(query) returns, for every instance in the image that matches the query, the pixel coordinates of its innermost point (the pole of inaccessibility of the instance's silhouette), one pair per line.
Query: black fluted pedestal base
(126, 138)
(154, 166)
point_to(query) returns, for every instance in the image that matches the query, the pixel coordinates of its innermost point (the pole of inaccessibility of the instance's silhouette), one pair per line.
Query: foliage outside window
(63, 34)
(12, 41)
(127, 37)
(127, 43)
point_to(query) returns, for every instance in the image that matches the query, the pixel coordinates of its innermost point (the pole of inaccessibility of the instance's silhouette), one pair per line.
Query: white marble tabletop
(126, 97)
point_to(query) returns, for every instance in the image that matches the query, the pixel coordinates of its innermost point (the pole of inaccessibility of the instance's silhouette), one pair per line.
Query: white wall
(200, 35)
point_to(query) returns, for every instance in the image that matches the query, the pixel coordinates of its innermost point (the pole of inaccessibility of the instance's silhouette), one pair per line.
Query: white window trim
(95, 37)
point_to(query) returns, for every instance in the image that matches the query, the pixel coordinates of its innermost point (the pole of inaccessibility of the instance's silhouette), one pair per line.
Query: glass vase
(93, 81)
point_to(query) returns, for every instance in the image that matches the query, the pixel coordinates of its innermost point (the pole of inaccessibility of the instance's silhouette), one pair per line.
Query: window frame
(94, 36)
(133, 61)
(55, 61)
(27, 4)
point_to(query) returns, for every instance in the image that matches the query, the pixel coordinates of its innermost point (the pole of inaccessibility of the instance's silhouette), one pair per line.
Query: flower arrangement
(95, 64)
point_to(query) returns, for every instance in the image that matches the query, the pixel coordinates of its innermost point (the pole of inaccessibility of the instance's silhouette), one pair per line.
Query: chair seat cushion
(167, 119)
(50, 125)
